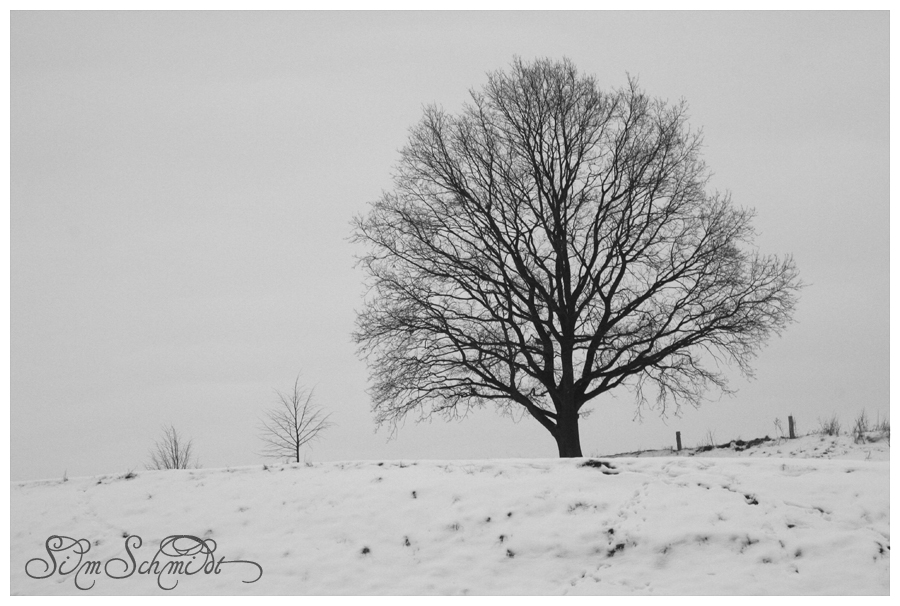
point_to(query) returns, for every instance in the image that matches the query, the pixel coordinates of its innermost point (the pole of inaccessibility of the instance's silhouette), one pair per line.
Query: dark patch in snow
(740, 445)
(510, 554)
(365, 550)
(603, 466)
(618, 547)
(751, 500)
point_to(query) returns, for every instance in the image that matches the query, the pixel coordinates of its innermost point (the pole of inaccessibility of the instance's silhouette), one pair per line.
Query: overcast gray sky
(182, 185)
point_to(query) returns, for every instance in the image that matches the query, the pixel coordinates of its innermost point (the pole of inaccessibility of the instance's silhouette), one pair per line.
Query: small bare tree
(172, 452)
(294, 422)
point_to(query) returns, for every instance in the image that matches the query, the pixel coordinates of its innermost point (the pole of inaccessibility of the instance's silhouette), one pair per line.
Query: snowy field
(805, 516)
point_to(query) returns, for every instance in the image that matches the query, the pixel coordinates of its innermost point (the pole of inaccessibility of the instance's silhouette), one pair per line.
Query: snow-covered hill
(806, 516)
(874, 447)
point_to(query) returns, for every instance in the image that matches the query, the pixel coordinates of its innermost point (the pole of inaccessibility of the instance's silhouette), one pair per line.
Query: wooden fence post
(678, 440)
(791, 426)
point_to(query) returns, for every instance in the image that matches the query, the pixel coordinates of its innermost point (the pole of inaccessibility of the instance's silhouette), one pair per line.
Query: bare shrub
(830, 427)
(172, 452)
(883, 426)
(779, 427)
(860, 427)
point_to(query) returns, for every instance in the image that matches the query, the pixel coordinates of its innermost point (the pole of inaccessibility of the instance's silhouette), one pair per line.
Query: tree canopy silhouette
(554, 242)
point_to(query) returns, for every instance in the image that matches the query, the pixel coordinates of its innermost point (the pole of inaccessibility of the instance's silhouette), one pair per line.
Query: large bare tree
(554, 242)
(292, 423)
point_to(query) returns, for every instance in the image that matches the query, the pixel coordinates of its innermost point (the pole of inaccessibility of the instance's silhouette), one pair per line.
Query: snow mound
(664, 525)
(874, 446)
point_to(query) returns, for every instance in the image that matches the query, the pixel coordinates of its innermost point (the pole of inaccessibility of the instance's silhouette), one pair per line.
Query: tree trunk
(567, 439)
